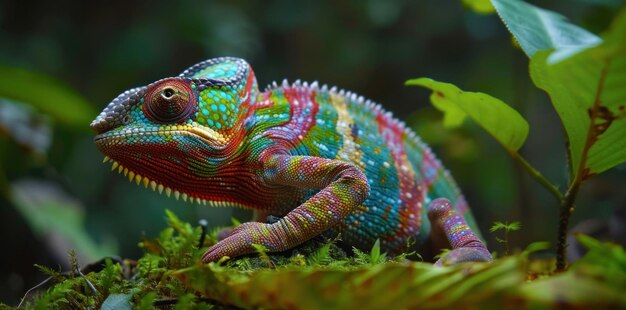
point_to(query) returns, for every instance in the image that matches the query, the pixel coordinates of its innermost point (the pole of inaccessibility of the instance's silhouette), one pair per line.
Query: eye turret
(169, 101)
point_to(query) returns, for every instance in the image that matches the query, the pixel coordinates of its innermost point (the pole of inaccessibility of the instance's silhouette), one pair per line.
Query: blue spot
(218, 125)
(214, 107)
(210, 122)
(205, 112)
(222, 107)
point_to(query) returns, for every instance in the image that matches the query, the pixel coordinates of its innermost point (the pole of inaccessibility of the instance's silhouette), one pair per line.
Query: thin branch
(538, 176)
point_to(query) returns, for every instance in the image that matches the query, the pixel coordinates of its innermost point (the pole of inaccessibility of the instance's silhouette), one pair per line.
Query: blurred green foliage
(51, 97)
(73, 57)
(584, 77)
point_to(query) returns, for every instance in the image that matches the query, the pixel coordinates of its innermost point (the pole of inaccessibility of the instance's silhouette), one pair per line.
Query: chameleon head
(176, 133)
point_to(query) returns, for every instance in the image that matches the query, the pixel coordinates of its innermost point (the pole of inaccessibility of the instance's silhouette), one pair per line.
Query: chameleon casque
(321, 159)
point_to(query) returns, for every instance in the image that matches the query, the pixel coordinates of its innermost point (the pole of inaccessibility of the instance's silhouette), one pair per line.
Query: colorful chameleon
(321, 159)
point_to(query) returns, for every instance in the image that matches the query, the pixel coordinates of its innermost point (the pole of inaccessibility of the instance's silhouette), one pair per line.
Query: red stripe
(302, 115)
(411, 197)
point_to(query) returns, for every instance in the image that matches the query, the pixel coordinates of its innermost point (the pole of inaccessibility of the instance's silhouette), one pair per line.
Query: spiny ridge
(356, 99)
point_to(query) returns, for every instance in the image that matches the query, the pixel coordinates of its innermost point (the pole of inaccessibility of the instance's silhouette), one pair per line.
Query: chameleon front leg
(342, 186)
(449, 230)
(258, 216)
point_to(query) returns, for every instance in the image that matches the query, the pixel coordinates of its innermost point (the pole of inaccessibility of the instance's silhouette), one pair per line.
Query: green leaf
(375, 252)
(588, 92)
(479, 6)
(146, 301)
(537, 29)
(47, 95)
(505, 124)
(513, 226)
(117, 302)
(537, 246)
(321, 256)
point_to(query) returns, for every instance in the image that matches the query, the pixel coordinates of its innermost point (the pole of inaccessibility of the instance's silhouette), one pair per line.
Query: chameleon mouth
(205, 134)
(160, 188)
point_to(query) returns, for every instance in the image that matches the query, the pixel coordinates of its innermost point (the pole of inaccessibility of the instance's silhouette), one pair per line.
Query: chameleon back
(403, 173)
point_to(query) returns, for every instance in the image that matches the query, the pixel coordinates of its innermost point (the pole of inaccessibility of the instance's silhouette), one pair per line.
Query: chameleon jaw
(205, 134)
(156, 186)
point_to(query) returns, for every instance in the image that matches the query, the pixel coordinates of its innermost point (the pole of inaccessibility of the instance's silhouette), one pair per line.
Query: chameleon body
(322, 159)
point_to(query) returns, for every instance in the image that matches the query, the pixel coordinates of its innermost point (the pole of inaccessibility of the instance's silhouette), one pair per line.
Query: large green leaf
(47, 95)
(505, 124)
(537, 29)
(588, 92)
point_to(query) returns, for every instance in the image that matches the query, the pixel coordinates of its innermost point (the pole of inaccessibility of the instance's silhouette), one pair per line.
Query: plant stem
(537, 176)
(506, 242)
(581, 173)
(565, 212)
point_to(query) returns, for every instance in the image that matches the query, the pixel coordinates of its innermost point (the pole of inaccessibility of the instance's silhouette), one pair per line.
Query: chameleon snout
(116, 113)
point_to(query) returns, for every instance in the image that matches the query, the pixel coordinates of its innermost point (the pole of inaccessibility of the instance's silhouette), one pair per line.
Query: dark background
(101, 48)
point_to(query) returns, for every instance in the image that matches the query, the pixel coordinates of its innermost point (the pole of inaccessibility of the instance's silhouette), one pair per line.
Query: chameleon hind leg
(449, 230)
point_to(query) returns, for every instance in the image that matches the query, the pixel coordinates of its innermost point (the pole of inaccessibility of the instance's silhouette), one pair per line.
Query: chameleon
(322, 160)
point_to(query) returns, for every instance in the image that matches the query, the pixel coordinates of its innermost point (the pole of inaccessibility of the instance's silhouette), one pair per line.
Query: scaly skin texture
(320, 159)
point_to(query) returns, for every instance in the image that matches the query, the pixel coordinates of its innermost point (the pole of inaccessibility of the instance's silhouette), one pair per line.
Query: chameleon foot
(240, 241)
(450, 229)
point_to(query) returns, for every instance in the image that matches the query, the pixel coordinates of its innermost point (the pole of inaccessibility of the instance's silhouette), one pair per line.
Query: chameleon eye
(169, 101)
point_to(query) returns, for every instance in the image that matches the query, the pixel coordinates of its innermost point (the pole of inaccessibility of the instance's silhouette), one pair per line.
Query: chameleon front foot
(449, 229)
(240, 241)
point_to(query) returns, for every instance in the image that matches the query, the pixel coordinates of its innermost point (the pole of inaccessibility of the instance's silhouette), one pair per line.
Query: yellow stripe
(349, 149)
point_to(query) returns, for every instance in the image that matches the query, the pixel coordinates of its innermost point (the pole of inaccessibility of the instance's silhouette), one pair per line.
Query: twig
(32, 289)
(537, 176)
(93, 267)
(93, 288)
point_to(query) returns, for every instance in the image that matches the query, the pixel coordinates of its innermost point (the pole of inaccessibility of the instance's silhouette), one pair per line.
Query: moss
(320, 274)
